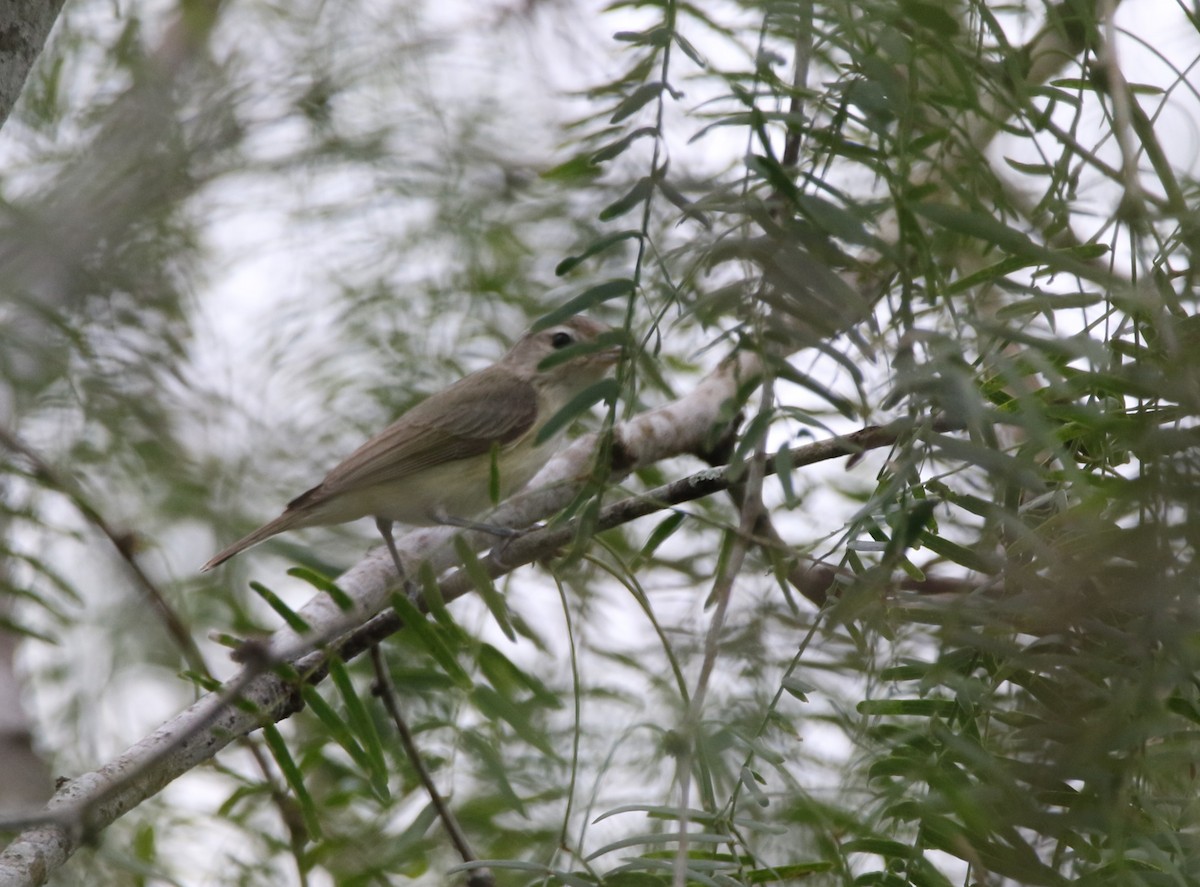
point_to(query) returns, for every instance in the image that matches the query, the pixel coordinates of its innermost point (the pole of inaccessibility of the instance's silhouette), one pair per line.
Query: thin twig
(176, 628)
(479, 877)
(534, 545)
(803, 49)
(1122, 99)
(77, 816)
(751, 508)
(124, 783)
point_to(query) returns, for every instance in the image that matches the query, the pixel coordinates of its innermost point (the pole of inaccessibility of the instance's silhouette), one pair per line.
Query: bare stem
(480, 877)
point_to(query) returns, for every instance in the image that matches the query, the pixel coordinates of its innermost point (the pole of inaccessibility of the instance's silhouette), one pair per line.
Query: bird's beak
(609, 356)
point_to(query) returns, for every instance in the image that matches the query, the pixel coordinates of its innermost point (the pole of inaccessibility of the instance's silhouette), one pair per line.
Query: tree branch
(25, 26)
(94, 800)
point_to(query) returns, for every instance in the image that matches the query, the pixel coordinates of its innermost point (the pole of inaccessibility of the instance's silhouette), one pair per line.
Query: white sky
(263, 262)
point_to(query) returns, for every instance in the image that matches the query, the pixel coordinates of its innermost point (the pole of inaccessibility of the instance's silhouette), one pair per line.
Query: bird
(438, 463)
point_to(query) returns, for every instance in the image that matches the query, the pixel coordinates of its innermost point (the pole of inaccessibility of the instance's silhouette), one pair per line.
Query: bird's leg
(506, 535)
(450, 520)
(385, 530)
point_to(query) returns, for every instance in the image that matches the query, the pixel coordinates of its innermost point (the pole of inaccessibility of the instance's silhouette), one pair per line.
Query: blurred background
(236, 239)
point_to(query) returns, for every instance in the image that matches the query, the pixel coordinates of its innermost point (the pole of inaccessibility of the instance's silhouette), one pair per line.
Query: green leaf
(797, 687)
(1184, 707)
(496, 706)
(630, 874)
(579, 168)
(1124, 871)
(661, 533)
(636, 195)
(1048, 304)
(986, 227)
(340, 731)
(880, 847)
(572, 880)
(754, 434)
(835, 220)
(1033, 169)
(782, 463)
(362, 725)
(484, 585)
(207, 683)
(589, 298)
(989, 274)
(654, 838)
(689, 50)
(507, 678)
(758, 749)
(920, 708)
(659, 35)
(427, 637)
(294, 621)
(637, 100)
(595, 248)
(617, 148)
(750, 781)
(605, 390)
(655, 811)
(291, 774)
(981, 225)
(16, 628)
(957, 554)
(515, 865)
(1013, 858)
(835, 400)
(909, 525)
(678, 198)
(431, 595)
(493, 763)
(788, 872)
(931, 16)
(913, 671)
(342, 600)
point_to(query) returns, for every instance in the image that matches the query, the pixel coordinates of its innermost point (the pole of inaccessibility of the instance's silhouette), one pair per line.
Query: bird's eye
(561, 340)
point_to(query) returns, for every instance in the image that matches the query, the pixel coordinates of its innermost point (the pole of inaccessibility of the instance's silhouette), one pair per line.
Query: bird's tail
(285, 521)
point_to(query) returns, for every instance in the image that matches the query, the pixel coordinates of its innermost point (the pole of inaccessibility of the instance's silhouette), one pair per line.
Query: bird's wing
(459, 422)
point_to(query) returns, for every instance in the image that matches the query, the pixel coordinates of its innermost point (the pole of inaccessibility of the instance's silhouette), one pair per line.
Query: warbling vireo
(436, 463)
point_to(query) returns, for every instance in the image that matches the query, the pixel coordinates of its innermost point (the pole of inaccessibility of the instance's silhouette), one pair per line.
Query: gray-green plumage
(434, 464)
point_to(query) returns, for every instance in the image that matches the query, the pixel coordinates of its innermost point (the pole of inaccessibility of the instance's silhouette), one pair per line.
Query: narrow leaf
(637, 100)
(595, 248)
(291, 774)
(290, 616)
(342, 600)
(487, 590)
(589, 298)
(665, 529)
(336, 726)
(957, 554)
(652, 838)
(605, 390)
(986, 227)
(921, 708)
(797, 687)
(636, 195)
(617, 148)
(426, 636)
(496, 706)
(361, 723)
(750, 782)
(790, 872)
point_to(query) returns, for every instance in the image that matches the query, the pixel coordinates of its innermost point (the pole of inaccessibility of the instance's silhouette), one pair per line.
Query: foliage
(958, 214)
